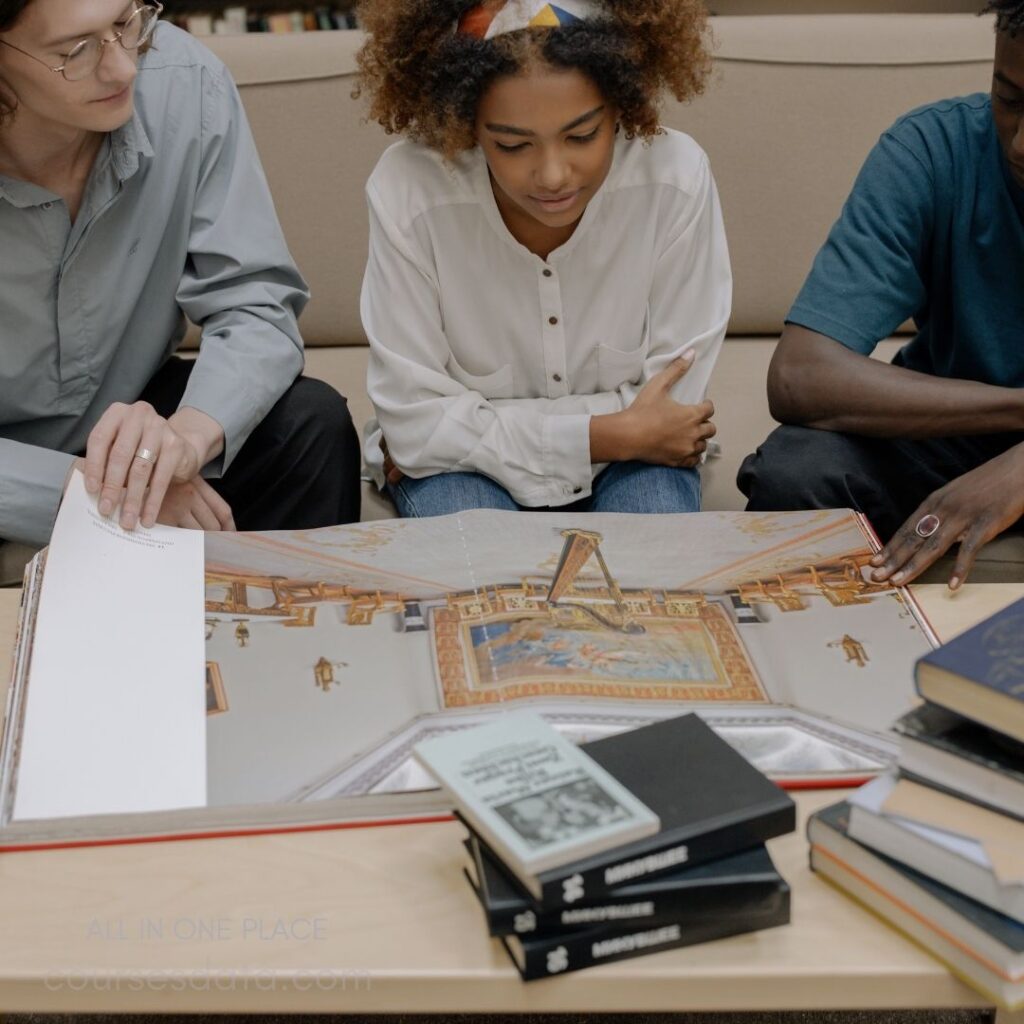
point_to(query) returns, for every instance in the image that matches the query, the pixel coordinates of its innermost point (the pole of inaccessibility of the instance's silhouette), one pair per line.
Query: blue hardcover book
(980, 674)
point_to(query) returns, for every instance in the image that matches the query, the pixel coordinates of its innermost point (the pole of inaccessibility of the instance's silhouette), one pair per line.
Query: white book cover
(535, 798)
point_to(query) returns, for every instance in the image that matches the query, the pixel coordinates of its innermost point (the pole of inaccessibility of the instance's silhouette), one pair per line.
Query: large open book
(329, 653)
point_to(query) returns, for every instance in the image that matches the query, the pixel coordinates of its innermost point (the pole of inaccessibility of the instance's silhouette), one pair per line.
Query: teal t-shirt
(934, 231)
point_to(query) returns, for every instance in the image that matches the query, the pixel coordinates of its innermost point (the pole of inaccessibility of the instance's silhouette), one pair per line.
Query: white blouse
(486, 358)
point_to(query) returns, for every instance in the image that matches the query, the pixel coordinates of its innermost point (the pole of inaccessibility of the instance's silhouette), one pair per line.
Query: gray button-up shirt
(176, 220)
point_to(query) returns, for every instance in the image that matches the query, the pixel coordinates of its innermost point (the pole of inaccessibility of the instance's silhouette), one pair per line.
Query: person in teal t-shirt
(931, 446)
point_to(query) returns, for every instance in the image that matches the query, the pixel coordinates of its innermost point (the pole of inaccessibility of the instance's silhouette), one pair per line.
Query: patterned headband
(489, 19)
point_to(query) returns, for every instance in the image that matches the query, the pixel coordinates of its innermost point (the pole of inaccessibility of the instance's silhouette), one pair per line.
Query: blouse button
(557, 377)
(546, 272)
(552, 320)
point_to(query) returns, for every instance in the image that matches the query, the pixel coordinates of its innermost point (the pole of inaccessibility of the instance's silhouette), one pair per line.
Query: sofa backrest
(793, 106)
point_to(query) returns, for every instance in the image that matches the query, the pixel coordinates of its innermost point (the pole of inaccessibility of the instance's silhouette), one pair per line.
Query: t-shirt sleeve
(869, 277)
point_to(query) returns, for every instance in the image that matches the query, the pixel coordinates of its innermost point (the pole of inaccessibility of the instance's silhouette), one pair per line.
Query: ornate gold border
(455, 665)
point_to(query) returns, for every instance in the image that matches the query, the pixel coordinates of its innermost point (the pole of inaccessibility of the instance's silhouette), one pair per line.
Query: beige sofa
(794, 104)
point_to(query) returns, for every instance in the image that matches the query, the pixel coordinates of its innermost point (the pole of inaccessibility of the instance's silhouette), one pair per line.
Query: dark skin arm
(815, 381)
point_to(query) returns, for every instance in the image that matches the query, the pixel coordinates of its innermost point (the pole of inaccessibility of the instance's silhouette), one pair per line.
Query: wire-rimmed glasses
(85, 56)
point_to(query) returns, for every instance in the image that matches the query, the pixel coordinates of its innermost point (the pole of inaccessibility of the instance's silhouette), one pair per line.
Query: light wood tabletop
(380, 920)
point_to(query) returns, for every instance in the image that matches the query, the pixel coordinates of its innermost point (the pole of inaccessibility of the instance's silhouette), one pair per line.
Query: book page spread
(254, 672)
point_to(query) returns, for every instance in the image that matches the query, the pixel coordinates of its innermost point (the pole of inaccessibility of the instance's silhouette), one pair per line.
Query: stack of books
(631, 844)
(937, 848)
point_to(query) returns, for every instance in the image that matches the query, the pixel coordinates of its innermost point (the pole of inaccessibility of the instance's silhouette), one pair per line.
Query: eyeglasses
(85, 56)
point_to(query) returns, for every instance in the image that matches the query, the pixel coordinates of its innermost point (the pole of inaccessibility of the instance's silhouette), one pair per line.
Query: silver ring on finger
(927, 525)
(146, 453)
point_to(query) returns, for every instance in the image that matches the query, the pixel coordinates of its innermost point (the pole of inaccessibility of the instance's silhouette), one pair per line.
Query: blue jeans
(622, 487)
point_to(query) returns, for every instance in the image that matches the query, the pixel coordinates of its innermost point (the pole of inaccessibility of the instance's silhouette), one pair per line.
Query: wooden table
(379, 920)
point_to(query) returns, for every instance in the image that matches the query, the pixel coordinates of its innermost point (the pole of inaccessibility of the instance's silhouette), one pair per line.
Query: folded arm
(817, 382)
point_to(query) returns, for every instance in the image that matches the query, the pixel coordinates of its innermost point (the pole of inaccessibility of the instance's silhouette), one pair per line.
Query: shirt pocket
(498, 384)
(615, 367)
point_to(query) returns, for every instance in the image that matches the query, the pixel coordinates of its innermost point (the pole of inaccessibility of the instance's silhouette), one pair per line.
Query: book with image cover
(980, 673)
(710, 801)
(545, 954)
(250, 682)
(538, 800)
(740, 879)
(980, 945)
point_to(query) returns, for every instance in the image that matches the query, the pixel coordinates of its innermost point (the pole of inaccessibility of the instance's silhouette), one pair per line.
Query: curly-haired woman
(548, 282)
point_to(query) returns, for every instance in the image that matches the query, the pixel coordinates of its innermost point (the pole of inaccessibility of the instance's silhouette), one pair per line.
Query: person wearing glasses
(132, 197)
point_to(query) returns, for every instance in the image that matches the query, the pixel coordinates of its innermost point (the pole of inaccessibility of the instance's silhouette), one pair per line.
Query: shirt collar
(127, 144)
(23, 194)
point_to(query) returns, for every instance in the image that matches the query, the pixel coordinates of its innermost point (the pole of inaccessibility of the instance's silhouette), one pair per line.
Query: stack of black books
(704, 875)
(937, 848)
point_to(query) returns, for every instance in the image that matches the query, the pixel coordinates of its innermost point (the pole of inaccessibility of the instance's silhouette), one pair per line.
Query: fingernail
(92, 485)
(954, 582)
(898, 577)
(128, 522)
(688, 356)
(877, 560)
(105, 507)
(147, 522)
(879, 574)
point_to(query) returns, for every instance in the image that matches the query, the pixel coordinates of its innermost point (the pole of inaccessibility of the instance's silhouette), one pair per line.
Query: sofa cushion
(793, 106)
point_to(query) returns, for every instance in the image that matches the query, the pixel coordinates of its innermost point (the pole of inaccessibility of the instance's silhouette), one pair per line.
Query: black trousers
(297, 470)
(885, 478)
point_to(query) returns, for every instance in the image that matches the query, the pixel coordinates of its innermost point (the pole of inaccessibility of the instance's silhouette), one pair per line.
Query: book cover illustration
(601, 629)
(537, 797)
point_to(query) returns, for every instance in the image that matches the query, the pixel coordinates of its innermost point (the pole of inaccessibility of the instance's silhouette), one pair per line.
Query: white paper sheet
(115, 720)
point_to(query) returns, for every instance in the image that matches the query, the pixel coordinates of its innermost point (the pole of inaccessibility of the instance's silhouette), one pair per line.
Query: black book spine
(544, 956)
(590, 884)
(645, 911)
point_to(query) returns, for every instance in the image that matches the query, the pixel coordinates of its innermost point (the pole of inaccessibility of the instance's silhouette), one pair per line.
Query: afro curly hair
(425, 81)
(1009, 15)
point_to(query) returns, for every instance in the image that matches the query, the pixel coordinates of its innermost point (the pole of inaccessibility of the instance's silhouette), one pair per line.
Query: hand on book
(195, 505)
(656, 428)
(133, 451)
(973, 509)
(192, 505)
